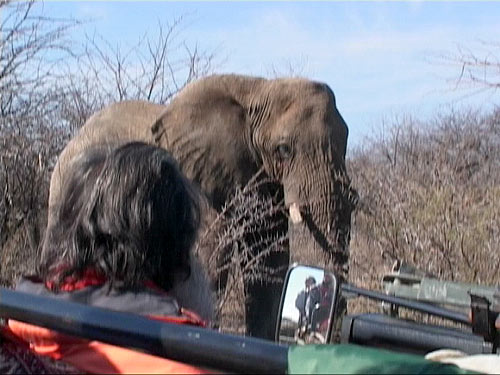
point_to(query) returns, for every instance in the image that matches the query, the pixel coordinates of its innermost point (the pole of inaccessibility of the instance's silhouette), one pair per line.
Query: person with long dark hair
(122, 240)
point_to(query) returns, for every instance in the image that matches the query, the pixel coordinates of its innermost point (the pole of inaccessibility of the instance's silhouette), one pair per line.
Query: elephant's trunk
(319, 229)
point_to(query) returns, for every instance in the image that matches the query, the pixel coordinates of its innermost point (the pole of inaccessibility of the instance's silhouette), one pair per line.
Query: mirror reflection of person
(306, 302)
(323, 309)
(326, 289)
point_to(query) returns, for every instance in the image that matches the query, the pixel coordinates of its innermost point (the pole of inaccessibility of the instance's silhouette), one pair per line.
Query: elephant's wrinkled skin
(222, 130)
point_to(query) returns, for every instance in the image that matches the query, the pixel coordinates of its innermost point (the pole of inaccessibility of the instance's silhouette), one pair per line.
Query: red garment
(326, 292)
(94, 356)
(90, 277)
(97, 357)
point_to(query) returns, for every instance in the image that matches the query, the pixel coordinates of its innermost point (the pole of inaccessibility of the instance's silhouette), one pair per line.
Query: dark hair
(127, 212)
(311, 279)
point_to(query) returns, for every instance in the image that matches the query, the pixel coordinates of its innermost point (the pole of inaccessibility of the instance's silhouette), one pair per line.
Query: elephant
(223, 129)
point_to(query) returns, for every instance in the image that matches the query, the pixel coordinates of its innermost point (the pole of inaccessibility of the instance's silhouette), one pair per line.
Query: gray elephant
(223, 129)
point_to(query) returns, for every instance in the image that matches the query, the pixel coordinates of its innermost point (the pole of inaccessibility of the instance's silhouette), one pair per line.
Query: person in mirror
(322, 312)
(122, 241)
(306, 302)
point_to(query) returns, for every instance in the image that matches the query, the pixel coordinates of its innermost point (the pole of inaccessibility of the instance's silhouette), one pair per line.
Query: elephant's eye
(284, 151)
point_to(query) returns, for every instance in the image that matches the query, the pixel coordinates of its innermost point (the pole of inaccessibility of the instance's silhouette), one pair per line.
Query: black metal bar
(383, 331)
(193, 345)
(419, 306)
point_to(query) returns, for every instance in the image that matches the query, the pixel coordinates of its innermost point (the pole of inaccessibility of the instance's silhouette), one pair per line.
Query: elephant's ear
(208, 133)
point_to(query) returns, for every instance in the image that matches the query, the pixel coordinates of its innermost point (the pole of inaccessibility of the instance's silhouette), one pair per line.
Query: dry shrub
(27, 151)
(430, 196)
(236, 243)
(29, 138)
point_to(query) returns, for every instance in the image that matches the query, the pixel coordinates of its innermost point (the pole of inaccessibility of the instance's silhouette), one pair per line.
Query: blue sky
(378, 57)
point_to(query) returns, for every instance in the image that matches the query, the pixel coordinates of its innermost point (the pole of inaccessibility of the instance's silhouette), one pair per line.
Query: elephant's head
(231, 126)
(301, 139)
(234, 126)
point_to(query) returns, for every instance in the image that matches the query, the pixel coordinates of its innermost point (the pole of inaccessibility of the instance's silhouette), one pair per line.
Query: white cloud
(93, 10)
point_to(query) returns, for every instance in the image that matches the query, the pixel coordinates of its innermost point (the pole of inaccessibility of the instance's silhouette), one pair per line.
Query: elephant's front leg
(263, 299)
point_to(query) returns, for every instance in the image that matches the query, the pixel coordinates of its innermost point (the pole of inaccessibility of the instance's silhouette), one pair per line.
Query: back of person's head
(310, 281)
(126, 212)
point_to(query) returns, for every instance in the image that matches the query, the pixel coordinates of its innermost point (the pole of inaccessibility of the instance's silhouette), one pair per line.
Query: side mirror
(307, 306)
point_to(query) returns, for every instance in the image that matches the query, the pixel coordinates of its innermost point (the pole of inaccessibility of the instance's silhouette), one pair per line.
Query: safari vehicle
(476, 309)
(228, 353)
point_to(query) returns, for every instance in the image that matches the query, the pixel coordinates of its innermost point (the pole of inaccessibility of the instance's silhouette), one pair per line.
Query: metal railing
(193, 345)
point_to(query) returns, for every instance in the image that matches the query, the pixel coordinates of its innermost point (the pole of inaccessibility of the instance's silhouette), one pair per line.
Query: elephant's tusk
(295, 213)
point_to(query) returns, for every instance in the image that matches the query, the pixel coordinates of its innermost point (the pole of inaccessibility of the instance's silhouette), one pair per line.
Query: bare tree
(30, 48)
(477, 69)
(28, 52)
(153, 69)
(288, 68)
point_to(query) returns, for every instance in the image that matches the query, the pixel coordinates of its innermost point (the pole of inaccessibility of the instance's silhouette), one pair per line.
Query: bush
(430, 196)
(29, 139)
(235, 244)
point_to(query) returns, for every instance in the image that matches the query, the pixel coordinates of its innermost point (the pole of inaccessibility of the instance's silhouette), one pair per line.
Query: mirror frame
(331, 316)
